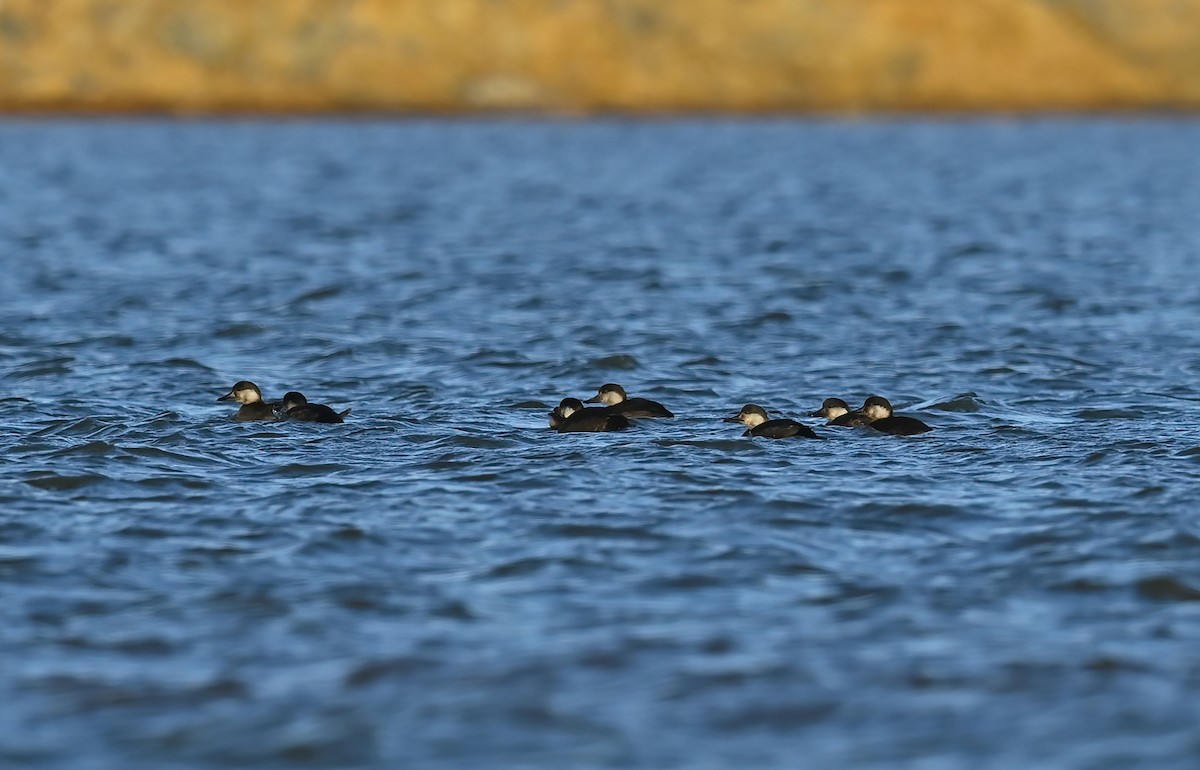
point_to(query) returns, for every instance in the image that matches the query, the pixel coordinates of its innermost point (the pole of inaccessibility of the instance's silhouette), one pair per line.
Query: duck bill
(735, 418)
(594, 400)
(227, 397)
(818, 413)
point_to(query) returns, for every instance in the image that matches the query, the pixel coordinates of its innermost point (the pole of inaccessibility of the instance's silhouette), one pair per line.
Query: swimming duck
(614, 396)
(878, 412)
(757, 423)
(296, 407)
(570, 416)
(250, 397)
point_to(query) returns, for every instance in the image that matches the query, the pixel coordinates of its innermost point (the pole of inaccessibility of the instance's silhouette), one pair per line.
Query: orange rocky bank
(598, 55)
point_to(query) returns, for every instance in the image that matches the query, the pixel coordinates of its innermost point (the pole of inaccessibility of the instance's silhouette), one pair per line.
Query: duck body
(640, 407)
(758, 423)
(899, 425)
(593, 420)
(853, 419)
(781, 429)
(296, 407)
(252, 407)
(615, 398)
(259, 411)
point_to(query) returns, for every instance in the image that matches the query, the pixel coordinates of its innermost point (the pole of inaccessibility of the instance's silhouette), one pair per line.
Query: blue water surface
(442, 582)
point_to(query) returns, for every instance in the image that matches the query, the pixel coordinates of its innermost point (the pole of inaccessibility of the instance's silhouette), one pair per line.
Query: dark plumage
(614, 396)
(570, 416)
(899, 425)
(296, 407)
(781, 429)
(855, 419)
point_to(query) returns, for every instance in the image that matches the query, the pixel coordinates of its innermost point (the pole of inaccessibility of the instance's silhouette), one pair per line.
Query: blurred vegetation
(586, 55)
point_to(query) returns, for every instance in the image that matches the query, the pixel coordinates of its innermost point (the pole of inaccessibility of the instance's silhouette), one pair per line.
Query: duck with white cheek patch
(250, 397)
(614, 397)
(296, 407)
(758, 423)
(878, 415)
(831, 409)
(570, 416)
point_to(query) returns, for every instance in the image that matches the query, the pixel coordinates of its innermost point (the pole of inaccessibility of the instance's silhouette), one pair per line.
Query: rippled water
(441, 582)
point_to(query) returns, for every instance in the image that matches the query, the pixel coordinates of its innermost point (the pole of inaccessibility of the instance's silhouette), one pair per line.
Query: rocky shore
(582, 56)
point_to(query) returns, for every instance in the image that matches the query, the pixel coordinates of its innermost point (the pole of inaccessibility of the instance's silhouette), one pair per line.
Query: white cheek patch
(565, 411)
(610, 397)
(246, 397)
(876, 412)
(834, 412)
(753, 419)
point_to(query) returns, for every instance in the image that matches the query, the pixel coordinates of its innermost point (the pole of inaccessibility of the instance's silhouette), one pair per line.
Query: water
(443, 583)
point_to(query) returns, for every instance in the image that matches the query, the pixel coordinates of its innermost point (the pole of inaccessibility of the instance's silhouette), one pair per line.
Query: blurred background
(443, 583)
(597, 55)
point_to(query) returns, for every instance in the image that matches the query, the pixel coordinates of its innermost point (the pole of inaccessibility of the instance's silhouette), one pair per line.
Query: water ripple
(185, 590)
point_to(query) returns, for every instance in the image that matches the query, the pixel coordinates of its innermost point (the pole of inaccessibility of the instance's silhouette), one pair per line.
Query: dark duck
(877, 411)
(618, 402)
(296, 407)
(758, 423)
(250, 397)
(570, 416)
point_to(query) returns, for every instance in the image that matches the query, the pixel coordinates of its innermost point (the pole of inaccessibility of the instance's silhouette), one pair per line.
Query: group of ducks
(294, 406)
(571, 416)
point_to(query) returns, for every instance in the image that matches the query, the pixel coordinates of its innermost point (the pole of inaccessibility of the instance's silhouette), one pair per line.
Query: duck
(878, 413)
(571, 416)
(758, 423)
(250, 397)
(614, 397)
(296, 407)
